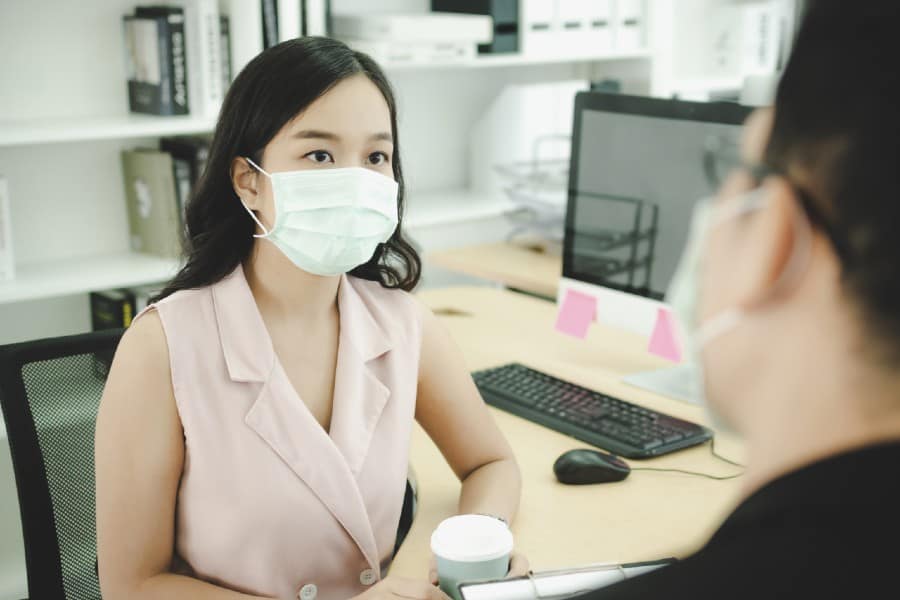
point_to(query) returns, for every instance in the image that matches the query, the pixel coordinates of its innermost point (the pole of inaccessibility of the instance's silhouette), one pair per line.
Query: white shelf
(75, 276)
(516, 59)
(71, 129)
(708, 85)
(432, 209)
(79, 275)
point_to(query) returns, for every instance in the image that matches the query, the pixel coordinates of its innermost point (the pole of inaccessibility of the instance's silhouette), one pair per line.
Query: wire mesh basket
(538, 190)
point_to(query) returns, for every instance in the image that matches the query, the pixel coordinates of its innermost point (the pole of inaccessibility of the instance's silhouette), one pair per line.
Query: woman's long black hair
(270, 91)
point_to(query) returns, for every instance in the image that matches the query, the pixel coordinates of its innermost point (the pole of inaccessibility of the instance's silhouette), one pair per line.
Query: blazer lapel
(279, 416)
(281, 420)
(359, 394)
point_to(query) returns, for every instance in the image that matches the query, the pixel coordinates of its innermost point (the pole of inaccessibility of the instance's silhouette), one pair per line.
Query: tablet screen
(557, 585)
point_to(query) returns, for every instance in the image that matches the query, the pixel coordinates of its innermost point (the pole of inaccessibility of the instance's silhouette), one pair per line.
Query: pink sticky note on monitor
(576, 313)
(664, 341)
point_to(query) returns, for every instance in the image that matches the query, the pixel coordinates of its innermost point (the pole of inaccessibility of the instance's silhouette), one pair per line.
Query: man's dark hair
(836, 134)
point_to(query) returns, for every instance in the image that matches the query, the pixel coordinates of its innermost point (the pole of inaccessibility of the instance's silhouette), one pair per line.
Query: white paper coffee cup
(470, 548)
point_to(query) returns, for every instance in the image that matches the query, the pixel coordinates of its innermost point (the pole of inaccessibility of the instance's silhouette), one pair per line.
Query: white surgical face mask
(330, 221)
(684, 292)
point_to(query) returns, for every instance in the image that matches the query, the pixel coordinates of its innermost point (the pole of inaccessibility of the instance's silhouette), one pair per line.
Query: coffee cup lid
(472, 538)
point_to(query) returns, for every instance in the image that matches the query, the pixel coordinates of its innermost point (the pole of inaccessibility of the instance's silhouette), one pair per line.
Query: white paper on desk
(554, 585)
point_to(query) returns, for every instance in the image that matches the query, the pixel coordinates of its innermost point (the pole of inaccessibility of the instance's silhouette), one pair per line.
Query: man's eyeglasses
(722, 157)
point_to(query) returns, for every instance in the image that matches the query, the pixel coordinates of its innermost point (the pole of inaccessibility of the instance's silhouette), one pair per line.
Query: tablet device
(558, 585)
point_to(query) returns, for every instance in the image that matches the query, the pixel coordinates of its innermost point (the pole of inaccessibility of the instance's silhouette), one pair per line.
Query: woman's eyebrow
(306, 134)
(384, 136)
(317, 134)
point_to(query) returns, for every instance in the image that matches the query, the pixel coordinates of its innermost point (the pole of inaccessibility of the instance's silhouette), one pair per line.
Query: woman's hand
(518, 567)
(396, 588)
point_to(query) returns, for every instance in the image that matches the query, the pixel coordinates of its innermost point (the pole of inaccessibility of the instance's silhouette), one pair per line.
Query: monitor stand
(675, 382)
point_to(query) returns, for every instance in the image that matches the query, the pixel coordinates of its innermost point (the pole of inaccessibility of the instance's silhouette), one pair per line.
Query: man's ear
(772, 240)
(756, 133)
(245, 181)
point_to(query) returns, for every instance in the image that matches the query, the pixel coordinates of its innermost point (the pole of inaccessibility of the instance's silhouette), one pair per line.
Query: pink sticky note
(664, 341)
(576, 313)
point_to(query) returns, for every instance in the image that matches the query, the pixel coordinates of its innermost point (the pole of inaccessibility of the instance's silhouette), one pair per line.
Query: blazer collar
(247, 346)
(248, 350)
(359, 326)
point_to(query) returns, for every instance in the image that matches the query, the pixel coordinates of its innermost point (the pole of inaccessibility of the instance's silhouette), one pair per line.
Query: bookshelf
(87, 129)
(520, 60)
(65, 121)
(133, 126)
(47, 279)
(65, 277)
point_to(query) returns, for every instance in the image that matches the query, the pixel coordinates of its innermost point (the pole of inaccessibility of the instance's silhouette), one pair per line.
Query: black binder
(173, 93)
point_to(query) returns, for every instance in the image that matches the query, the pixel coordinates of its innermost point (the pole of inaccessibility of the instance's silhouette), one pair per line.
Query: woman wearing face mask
(254, 433)
(791, 289)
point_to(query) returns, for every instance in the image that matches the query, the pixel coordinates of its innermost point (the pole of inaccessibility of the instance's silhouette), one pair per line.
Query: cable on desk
(712, 448)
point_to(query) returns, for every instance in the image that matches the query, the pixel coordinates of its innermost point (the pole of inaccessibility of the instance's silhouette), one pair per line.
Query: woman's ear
(245, 181)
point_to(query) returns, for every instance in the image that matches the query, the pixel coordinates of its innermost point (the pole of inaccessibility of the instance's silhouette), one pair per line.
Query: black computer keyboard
(614, 425)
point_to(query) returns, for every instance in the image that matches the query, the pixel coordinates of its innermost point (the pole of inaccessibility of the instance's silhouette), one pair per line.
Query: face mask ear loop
(257, 167)
(717, 326)
(250, 212)
(751, 202)
(257, 221)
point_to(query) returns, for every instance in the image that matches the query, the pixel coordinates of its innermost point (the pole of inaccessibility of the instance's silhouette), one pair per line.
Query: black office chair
(408, 513)
(49, 392)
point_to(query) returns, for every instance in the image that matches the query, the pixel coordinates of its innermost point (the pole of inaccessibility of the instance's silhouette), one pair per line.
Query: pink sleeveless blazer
(270, 503)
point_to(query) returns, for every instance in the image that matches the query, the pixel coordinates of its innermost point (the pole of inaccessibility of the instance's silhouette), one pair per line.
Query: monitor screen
(638, 166)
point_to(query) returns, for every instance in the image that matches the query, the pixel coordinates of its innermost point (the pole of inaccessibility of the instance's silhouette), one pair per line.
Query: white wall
(12, 557)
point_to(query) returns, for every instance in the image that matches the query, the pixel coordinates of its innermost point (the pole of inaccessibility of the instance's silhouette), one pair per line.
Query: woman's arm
(451, 411)
(139, 460)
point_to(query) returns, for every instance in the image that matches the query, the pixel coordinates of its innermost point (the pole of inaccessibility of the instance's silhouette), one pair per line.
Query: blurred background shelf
(519, 60)
(79, 275)
(448, 207)
(74, 129)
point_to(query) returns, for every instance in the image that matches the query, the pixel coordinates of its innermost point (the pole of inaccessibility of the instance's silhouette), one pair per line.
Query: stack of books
(115, 309)
(178, 58)
(159, 183)
(288, 19)
(182, 55)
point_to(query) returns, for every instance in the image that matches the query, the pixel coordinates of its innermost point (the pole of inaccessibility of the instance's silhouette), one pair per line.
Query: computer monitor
(638, 165)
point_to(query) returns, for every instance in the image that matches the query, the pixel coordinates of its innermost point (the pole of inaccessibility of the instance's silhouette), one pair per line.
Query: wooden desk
(649, 515)
(529, 269)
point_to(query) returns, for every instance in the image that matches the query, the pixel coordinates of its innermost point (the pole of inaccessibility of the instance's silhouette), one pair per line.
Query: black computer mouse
(583, 466)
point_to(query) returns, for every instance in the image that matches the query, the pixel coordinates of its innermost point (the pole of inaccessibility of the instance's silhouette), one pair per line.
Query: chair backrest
(49, 392)
(407, 513)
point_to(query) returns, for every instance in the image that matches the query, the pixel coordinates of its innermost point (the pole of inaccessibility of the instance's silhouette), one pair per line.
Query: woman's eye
(378, 158)
(319, 157)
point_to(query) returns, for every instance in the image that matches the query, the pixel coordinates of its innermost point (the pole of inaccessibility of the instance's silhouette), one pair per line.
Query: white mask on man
(684, 291)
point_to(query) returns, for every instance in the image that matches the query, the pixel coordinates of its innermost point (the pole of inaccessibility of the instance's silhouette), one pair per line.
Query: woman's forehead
(353, 106)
